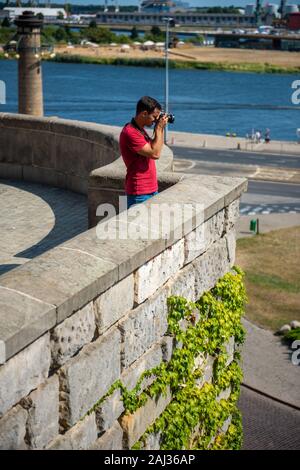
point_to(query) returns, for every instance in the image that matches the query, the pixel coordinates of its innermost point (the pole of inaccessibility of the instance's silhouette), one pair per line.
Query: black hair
(146, 103)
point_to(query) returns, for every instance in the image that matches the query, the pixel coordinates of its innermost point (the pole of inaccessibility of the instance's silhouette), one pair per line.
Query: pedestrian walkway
(35, 218)
(270, 398)
(267, 222)
(268, 367)
(267, 424)
(186, 139)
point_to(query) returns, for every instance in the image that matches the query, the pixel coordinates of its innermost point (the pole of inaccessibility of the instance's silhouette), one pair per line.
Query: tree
(68, 9)
(61, 35)
(5, 23)
(93, 24)
(156, 31)
(99, 35)
(60, 16)
(134, 33)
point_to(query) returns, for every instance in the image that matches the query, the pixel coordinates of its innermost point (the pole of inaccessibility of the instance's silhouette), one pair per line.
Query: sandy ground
(200, 54)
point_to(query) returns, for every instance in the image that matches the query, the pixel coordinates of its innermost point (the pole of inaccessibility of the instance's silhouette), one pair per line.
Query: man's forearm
(158, 141)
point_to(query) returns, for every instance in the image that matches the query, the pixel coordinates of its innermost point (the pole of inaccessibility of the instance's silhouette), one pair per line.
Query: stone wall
(58, 152)
(92, 312)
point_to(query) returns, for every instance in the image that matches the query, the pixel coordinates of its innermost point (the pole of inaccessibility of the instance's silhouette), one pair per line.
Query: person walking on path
(139, 151)
(267, 136)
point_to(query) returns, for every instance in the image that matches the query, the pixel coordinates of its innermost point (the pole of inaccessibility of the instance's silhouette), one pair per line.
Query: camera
(171, 117)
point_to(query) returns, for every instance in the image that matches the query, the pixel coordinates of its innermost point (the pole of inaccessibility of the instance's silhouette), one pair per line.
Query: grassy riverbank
(271, 264)
(176, 64)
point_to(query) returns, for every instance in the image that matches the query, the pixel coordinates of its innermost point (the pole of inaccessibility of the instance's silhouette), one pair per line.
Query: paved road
(268, 424)
(265, 197)
(237, 157)
(262, 197)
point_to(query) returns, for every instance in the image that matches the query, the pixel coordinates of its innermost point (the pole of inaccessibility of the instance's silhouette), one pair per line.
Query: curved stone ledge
(68, 277)
(59, 152)
(93, 310)
(48, 289)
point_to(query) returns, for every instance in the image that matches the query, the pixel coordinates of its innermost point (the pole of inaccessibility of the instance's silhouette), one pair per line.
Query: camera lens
(171, 118)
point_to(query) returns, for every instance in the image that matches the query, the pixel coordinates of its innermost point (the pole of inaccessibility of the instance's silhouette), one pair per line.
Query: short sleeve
(135, 140)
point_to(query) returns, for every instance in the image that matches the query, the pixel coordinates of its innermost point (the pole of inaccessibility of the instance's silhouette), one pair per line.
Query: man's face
(150, 118)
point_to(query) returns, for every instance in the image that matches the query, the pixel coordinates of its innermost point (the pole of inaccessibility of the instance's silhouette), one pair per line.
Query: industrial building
(294, 21)
(186, 18)
(48, 13)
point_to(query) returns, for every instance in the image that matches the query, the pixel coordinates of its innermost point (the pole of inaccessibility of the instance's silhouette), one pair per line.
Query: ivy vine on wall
(197, 415)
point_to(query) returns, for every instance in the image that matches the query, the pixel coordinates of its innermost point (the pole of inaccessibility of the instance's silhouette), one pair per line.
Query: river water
(202, 101)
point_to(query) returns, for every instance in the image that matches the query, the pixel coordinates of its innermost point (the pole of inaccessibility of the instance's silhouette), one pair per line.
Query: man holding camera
(139, 150)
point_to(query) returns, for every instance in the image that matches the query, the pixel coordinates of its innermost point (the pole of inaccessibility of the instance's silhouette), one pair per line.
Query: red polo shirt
(141, 171)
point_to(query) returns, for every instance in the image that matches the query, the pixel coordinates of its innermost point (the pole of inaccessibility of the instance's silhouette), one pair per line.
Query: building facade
(183, 18)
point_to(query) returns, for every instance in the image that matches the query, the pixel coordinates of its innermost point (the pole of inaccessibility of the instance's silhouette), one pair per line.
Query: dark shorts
(138, 198)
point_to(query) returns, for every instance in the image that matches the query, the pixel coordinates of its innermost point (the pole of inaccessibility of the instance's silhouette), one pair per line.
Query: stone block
(134, 425)
(97, 198)
(152, 441)
(106, 241)
(22, 320)
(73, 155)
(203, 192)
(13, 429)
(110, 410)
(15, 147)
(110, 440)
(114, 303)
(210, 267)
(43, 151)
(88, 376)
(230, 346)
(40, 175)
(150, 359)
(42, 406)
(78, 184)
(63, 277)
(143, 327)
(168, 346)
(24, 372)
(236, 187)
(153, 274)
(71, 335)
(183, 283)
(232, 214)
(206, 364)
(216, 192)
(79, 437)
(226, 425)
(224, 395)
(231, 246)
(200, 239)
(11, 171)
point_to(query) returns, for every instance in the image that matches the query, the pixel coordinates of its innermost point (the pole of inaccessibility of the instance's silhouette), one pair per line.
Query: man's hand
(162, 122)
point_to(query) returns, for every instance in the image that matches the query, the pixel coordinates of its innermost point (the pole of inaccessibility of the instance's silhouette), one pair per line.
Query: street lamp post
(169, 21)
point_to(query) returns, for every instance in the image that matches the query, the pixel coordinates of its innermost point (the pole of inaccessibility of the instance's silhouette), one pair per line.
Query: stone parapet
(85, 320)
(58, 152)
